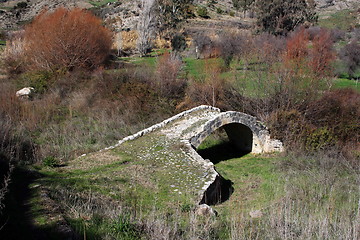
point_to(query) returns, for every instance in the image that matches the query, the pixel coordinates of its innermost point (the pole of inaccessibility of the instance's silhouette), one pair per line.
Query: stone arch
(243, 130)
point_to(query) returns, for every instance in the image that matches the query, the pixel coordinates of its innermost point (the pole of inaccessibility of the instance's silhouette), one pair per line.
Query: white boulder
(205, 210)
(25, 92)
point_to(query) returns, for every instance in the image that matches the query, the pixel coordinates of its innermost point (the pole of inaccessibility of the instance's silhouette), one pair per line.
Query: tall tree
(244, 4)
(146, 26)
(282, 16)
(172, 12)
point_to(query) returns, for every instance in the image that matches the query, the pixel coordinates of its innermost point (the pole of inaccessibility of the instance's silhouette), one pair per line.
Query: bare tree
(146, 26)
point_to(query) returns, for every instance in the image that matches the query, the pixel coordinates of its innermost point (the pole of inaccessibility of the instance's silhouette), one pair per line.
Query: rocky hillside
(14, 13)
(122, 16)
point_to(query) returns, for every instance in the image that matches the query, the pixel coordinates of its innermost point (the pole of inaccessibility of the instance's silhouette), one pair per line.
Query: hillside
(12, 15)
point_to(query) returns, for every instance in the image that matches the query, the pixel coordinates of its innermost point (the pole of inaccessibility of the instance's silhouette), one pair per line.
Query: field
(275, 196)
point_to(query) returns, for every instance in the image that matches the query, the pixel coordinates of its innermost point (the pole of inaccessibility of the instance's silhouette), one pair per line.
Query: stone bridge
(184, 132)
(195, 125)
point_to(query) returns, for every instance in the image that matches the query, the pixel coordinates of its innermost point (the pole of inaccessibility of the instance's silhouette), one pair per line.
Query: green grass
(141, 61)
(299, 191)
(346, 83)
(101, 2)
(97, 227)
(345, 20)
(197, 68)
(309, 194)
(5, 8)
(256, 182)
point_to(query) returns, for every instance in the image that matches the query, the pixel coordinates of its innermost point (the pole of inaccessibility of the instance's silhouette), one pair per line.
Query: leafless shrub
(269, 47)
(338, 34)
(313, 32)
(66, 39)
(328, 124)
(146, 26)
(168, 83)
(209, 91)
(231, 45)
(356, 34)
(205, 47)
(350, 54)
(14, 53)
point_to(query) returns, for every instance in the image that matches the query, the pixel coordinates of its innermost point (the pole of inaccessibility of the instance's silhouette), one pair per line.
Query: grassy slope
(312, 196)
(100, 3)
(249, 82)
(344, 20)
(346, 83)
(308, 194)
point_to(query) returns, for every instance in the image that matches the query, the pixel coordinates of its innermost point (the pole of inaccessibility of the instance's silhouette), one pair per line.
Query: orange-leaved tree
(297, 50)
(322, 54)
(67, 39)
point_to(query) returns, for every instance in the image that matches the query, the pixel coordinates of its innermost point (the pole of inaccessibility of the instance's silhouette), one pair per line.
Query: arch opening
(232, 140)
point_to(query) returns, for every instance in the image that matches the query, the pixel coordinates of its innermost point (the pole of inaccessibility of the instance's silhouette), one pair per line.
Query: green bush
(39, 80)
(126, 227)
(320, 139)
(178, 43)
(50, 161)
(202, 12)
(21, 5)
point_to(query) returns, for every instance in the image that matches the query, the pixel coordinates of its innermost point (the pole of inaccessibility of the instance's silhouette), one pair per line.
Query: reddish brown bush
(296, 48)
(322, 54)
(66, 39)
(331, 122)
(339, 111)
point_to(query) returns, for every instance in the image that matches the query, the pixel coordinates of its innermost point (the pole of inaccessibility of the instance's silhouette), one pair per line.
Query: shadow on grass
(221, 152)
(17, 219)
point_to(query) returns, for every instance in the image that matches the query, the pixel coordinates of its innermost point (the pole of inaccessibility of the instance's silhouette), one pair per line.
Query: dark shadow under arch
(234, 140)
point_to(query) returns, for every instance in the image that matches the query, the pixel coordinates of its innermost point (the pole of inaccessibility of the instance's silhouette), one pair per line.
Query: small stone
(205, 210)
(256, 214)
(25, 92)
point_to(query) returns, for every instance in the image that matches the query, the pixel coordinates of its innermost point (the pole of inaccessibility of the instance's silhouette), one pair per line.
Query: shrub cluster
(63, 39)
